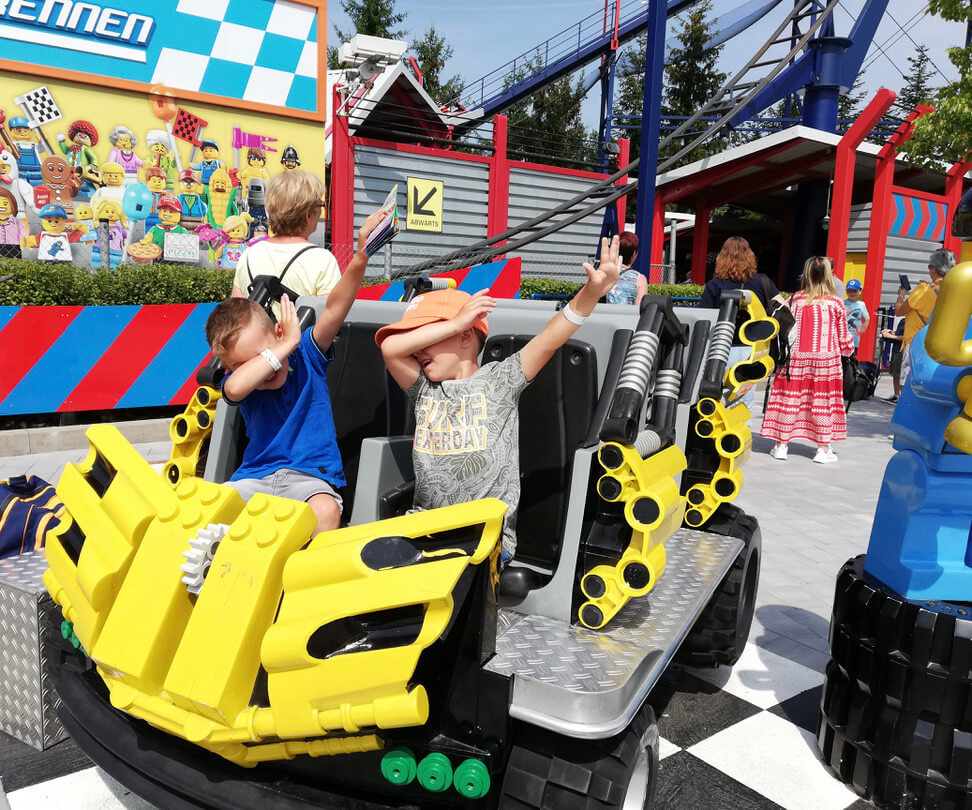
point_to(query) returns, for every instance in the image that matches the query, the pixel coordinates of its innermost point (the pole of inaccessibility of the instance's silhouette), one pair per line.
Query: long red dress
(810, 404)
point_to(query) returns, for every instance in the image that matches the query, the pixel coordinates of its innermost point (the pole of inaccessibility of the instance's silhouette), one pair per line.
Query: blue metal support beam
(650, 127)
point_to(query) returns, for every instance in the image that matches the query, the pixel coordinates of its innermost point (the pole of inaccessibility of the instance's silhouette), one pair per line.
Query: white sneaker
(825, 456)
(778, 451)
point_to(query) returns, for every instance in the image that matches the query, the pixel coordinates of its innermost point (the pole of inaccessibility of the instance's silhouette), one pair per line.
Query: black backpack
(779, 345)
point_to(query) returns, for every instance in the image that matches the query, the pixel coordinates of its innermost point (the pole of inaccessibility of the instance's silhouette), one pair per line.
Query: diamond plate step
(590, 683)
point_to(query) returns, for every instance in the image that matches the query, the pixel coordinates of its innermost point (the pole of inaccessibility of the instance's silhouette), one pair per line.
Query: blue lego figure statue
(921, 541)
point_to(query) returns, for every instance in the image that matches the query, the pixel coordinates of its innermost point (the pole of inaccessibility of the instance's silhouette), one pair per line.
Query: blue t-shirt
(292, 428)
(856, 314)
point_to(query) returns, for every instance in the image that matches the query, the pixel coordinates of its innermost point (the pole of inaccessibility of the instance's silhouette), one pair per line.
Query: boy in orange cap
(466, 442)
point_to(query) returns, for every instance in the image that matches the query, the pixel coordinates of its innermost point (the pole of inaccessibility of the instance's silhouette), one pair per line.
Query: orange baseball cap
(440, 305)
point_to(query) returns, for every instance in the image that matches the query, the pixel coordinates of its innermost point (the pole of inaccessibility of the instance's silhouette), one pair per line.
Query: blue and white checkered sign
(263, 51)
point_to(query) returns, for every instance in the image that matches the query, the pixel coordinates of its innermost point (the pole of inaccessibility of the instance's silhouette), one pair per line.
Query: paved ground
(739, 738)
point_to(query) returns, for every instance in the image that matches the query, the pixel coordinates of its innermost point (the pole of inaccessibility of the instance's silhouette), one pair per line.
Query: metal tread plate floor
(589, 683)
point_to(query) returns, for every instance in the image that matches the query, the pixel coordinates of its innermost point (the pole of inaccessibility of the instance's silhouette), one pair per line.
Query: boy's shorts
(896, 364)
(291, 484)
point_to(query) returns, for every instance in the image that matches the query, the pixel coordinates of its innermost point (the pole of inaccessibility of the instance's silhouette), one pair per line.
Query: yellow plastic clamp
(189, 432)
(756, 332)
(653, 508)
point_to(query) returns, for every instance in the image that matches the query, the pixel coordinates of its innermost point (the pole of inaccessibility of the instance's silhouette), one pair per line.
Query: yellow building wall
(855, 267)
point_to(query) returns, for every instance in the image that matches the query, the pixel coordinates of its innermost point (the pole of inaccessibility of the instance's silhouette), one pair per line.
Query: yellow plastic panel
(113, 527)
(329, 582)
(153, 605)
(219, 656)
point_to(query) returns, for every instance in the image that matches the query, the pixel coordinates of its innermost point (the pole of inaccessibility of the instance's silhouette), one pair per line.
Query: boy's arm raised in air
(399, 349)
(339, 300)
(537, 352)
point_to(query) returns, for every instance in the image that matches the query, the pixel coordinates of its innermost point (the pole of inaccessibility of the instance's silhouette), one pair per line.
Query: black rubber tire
(896, 759)
(914, 656)
(547, 770)
(719, 635)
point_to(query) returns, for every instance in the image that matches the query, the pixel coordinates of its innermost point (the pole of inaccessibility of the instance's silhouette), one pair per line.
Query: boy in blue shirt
(857, 316)
(277, 377)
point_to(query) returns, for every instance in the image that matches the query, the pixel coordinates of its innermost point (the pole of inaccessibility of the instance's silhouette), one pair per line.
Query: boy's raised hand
(289, 323)
(602, 279)
(478, 306)
(372, 222)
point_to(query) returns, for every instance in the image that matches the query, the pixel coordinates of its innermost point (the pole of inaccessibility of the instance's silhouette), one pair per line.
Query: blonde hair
(736, 261)
(236, 220)
(113, 204)
(232, 316)
(290, 198)
(818, 279)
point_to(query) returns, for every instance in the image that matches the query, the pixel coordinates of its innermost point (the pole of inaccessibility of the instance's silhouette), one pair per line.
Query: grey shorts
(291, 484)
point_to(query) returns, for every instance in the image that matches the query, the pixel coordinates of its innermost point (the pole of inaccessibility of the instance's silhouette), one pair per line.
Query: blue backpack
(29, 507)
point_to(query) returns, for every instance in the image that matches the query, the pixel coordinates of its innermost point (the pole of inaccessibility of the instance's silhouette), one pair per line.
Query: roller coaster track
(735, 95)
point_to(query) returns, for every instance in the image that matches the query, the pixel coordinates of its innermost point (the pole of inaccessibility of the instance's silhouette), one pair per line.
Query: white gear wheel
(199, 555)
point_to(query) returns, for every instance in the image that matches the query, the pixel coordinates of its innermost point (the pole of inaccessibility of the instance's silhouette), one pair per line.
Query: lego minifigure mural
(83, 123)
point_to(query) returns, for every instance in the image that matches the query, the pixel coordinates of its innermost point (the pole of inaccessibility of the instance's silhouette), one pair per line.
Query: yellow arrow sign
(424, 205)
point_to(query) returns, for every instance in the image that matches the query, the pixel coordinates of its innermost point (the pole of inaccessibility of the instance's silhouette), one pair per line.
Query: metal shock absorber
(668, 383)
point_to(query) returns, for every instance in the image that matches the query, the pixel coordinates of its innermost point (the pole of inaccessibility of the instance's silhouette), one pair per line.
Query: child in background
(466, 442)
(857, 315)
(895, 338)
(278, 378)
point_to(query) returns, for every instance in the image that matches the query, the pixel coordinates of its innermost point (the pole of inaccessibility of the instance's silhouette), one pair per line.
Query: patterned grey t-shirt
(467, 440)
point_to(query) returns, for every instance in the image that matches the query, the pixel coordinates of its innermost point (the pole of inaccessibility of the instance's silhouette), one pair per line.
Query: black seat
(365, 401)
(555, 415)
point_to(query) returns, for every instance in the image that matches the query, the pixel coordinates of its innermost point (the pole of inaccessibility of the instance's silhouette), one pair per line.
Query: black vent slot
(100, 476)
(72, 540)
(379, 630)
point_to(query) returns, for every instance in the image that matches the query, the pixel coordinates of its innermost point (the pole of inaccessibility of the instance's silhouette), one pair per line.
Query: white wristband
(271, 358)
(572, 316)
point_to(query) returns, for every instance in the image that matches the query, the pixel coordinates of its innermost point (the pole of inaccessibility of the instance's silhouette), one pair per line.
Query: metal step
(589, 684)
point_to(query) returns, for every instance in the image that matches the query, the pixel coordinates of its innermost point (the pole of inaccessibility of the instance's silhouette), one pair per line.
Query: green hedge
(552, 286)
(47, 284)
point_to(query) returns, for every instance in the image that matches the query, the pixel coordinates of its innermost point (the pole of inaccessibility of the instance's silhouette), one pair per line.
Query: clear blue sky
(487, 35)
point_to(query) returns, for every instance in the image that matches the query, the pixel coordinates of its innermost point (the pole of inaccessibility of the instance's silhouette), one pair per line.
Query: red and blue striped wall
(918, 217)
(98, 358)
(501, 278)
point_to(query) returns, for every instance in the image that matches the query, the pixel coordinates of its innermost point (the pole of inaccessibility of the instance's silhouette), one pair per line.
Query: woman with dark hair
(807, 402)
(632, 286)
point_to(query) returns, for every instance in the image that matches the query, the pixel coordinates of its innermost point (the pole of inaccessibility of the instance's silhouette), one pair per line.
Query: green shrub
(552, 286)
(47, 284)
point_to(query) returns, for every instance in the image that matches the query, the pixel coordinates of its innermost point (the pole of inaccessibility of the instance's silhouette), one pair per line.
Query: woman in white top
(294, 202)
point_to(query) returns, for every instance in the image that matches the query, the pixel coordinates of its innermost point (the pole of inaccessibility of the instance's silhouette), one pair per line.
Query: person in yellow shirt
(917, 305)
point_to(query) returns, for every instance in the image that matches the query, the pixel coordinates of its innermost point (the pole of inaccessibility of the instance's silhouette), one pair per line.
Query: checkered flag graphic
(188, 127)
(39, 107)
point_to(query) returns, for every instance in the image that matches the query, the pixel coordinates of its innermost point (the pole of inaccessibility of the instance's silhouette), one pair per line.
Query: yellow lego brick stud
(189, 432)
(653, 509)
(733, 444)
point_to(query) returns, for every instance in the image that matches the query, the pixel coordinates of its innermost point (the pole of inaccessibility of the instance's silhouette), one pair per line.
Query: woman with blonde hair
(294, 202)
(806, 400)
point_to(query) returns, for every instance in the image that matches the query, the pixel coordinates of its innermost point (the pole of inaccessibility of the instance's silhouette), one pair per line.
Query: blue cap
(18, 121)
(53, 210)
(854, 284)
(207, 142)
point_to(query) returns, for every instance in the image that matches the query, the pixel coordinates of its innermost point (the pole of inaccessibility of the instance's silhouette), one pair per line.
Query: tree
(547, 127)
(918, 87)
(376, 18)
(946, 134)
(629, 93)
(691, 80)
(432, 52)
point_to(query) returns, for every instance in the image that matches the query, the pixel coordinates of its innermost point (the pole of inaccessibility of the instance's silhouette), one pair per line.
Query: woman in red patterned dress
(806, 402)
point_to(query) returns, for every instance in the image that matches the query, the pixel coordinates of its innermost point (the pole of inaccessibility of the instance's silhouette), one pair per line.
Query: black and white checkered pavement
(732, 739)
